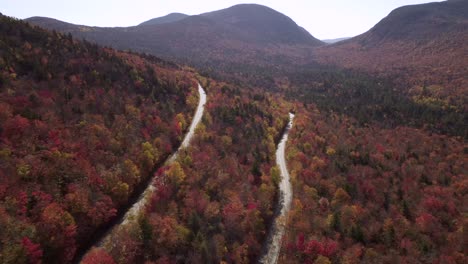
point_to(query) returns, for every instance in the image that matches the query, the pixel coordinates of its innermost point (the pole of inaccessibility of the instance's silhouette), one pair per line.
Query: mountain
(242, 37)
(173, 17)
(50, 23)
(423, 45)
(265, 23)
(424, 22)
(374, 177)
(81, 127)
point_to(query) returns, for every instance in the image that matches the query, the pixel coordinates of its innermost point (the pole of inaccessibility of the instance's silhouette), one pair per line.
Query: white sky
(322, 18)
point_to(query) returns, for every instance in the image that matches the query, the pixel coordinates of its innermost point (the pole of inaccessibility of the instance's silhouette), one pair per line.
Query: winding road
(278, 228)
(140, 204)
(142, 199)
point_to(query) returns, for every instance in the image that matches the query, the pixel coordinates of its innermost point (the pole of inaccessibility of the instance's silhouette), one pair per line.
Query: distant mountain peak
(251, 12)
(247, 34)
(263, 22)
(256, 7)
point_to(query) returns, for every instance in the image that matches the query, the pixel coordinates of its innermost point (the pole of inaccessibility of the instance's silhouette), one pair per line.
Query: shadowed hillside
(81, 130)
(231, 39)
(422, 45)
(173, 17)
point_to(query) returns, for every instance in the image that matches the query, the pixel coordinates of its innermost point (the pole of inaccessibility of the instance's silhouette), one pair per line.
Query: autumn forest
(103, 159)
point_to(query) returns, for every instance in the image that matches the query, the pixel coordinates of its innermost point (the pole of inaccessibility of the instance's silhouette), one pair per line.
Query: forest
(385, 101)
(377, 156)
(217, 199)
(77, 140)
(374, 195)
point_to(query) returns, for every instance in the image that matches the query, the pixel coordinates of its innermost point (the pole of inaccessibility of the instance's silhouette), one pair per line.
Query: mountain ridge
(257, 18)
(262, 19)
(172, 17)
(409, 42)
(420, 21)
(63, 104)
(423, 45)
(250, 38)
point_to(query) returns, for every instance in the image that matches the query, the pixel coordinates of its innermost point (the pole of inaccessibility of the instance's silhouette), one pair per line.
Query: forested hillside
(374, 99)
(377, 153)
(81, 129)
(216, 202)
(237, 42)
(422, 46)
(372, 195)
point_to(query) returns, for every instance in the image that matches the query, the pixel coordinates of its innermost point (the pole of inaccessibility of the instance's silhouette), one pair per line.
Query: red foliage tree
(98, 256)
(33, 251)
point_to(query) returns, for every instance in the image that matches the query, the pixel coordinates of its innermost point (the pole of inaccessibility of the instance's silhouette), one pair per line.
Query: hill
(424, 46)
(241, 38)
(81, 126)
(263, 24)
(81, 131)
(372, 195)
(173, 17)
(424, 22)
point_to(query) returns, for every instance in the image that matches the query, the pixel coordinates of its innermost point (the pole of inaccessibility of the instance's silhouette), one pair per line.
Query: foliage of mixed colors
(81, 128)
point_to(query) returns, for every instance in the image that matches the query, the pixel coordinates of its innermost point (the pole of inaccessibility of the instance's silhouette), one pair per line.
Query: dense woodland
(377, 153)
(216, 202)
(386, 101)
(81, 128)
(422, 47)
(372, 195)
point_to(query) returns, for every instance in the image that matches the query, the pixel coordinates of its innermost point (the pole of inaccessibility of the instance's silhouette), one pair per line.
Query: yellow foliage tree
(176, 174)
(322, 260)
(132, 173)
(150, 155)
(181, 119)
(340, 197)
(120, 191)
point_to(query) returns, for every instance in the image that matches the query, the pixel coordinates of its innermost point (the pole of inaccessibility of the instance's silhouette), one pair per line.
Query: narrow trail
(139, 205)
(277, 231)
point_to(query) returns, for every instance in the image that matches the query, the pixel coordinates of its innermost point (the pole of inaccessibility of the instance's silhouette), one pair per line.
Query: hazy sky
(322, 18)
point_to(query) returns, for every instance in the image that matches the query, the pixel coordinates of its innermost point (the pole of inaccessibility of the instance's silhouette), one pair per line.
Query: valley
(235, 136)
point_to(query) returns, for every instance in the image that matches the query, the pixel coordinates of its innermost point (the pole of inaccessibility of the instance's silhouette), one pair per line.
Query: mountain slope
(269, 25)
(419, 22)
(173, 17)
(423, 45)
(241, 37)
(81, 131)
